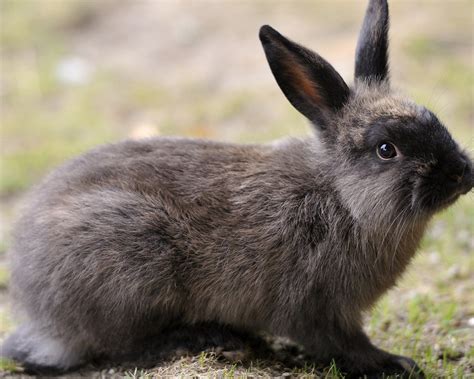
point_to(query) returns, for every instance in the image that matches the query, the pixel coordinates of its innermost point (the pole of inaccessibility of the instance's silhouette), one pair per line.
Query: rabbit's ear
(310, 83)
(371, 61)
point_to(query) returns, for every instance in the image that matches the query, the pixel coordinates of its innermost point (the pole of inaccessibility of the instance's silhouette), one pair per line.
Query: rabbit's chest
(380, 265)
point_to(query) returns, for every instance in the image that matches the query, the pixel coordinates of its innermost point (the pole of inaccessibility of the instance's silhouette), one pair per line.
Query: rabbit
(296, 238)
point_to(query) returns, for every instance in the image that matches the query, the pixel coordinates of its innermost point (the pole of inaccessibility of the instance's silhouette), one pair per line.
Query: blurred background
(77, 73)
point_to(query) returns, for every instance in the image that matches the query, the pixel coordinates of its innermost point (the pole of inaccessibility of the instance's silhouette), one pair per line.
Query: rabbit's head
(387, 155)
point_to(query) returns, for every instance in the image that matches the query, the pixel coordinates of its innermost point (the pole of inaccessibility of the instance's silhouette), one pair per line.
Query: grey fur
(296, 238)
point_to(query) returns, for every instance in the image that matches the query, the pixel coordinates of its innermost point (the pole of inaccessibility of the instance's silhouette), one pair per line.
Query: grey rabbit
(296, 238)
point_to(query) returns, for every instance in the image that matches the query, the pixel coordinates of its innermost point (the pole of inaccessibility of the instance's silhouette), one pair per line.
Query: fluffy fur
(295, 238)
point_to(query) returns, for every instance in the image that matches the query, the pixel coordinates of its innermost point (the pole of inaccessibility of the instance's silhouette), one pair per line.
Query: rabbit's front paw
(398, 367)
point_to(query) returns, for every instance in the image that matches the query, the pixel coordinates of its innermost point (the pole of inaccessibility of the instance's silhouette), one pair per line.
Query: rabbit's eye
(386, 150)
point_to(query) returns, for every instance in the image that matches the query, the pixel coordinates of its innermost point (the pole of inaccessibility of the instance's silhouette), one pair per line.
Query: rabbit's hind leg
(40, 353)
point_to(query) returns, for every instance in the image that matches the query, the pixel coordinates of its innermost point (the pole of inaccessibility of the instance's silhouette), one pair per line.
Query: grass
(45, 121)
(198, 367)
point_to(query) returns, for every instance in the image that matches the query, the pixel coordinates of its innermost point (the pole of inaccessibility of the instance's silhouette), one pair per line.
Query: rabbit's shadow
(226, 344)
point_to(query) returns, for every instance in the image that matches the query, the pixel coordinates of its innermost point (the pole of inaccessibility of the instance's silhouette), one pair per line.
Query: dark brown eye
(386, 150)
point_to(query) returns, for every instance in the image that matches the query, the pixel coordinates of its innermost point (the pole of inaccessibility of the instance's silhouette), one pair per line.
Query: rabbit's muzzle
(444, 183)
(461, 177)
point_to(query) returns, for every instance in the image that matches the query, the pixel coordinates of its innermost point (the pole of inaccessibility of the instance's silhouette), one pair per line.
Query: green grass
(9, 366)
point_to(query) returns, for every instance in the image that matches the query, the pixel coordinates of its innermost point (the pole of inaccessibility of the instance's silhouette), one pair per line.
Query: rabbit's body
(296, 238)
(130, 237)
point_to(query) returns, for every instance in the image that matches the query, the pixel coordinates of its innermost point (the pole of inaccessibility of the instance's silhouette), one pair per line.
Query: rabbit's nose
(468, 182)
(456, 173)
(456, 178)
(464, 178)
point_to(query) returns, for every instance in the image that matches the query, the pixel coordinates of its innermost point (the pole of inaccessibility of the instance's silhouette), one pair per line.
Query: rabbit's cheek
(362, 195)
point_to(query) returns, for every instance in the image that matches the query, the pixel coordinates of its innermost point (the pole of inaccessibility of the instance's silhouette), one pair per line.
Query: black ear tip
(380, 3)
(266, 33)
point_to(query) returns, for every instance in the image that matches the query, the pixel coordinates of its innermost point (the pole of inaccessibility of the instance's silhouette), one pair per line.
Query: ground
(78, 73)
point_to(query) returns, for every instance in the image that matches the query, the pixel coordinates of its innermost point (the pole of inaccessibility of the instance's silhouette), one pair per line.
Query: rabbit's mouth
(434, 201)
(434, 205)
(450, 199)
(462, 190)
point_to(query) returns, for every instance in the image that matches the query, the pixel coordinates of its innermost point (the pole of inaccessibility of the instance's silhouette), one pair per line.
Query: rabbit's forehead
(366, 111)
(419, 134)
(398, 107)
(378, 117)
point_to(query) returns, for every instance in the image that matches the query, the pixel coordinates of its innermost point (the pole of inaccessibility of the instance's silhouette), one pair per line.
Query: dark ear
(372, 48)
(309, 82)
